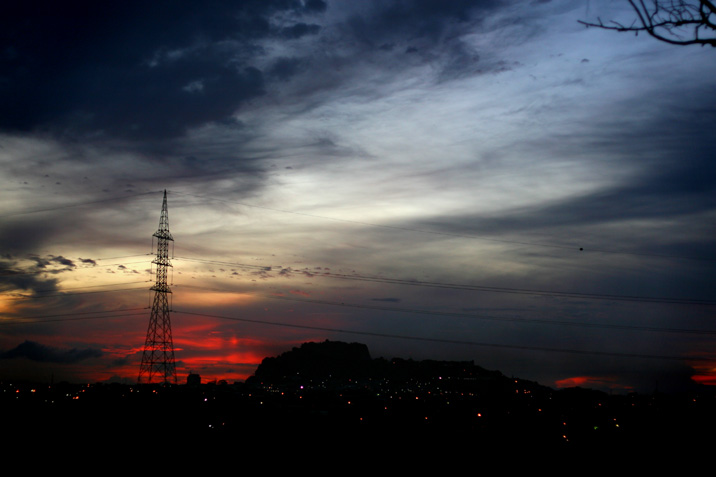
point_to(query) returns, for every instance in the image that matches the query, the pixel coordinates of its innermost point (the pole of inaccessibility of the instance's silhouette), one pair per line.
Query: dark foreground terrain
(331, 395)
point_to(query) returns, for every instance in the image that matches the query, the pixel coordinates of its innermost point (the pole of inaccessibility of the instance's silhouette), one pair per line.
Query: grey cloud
(122, 361)
(62, 261)
(46, 354)
(663, 194)
(461, 61)
(19, 237)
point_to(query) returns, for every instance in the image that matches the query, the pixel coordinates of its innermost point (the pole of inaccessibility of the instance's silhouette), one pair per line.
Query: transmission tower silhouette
(158, 357)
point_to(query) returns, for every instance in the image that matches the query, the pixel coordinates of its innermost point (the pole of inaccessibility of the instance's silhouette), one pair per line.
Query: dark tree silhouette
(679, 22)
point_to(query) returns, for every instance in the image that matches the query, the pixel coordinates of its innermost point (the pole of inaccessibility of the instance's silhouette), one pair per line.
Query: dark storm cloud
(13, 276)
(44, 262)
(426, 20)
(315, 5)
(46, 354)
(423, 31)
(284, 68)
(140, 70)
(153, 70)
(298, 30)
(31, 274)
(384, 36)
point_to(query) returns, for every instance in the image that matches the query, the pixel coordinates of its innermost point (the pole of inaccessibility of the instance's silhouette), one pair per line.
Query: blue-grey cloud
(425, 21)
(47, 354)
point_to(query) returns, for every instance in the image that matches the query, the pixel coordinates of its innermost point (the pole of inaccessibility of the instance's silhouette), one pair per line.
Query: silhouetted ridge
(339, 361)
(318, 361)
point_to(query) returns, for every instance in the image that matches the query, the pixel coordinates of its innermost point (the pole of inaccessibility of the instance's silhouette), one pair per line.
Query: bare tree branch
(679, 22)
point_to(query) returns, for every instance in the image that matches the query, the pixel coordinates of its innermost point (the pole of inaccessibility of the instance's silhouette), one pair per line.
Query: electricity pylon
(158, 356)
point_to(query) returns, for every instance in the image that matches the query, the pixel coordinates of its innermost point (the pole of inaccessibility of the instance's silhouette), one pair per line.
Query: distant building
(193, 380)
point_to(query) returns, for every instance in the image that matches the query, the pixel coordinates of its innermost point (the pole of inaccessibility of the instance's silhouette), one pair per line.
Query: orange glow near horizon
(212, 299)
(5, 305)
(19, 307)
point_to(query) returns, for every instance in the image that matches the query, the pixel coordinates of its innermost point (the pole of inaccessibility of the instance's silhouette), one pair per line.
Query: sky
(483, 180)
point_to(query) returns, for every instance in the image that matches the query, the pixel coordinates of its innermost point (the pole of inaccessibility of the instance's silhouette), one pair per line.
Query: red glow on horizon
(705, 379)
(591, 381)
(571, 382)
(705, 373)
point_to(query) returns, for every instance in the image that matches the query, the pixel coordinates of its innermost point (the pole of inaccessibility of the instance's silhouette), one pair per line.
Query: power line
(30, 297)
(467, 315)
(483, 288)
(446, 341)
(479, 317)
(121, 263)
(78, 204)
(77, 288)
(46, 318)
(500, 318)
(83, 266)
(217, 262)
(523, 291)
(122, 256)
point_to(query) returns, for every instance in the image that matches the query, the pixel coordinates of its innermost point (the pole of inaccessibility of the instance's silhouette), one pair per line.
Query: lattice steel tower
(158, 357)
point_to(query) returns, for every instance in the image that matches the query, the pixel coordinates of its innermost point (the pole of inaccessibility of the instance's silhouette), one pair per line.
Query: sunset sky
(475, 180)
